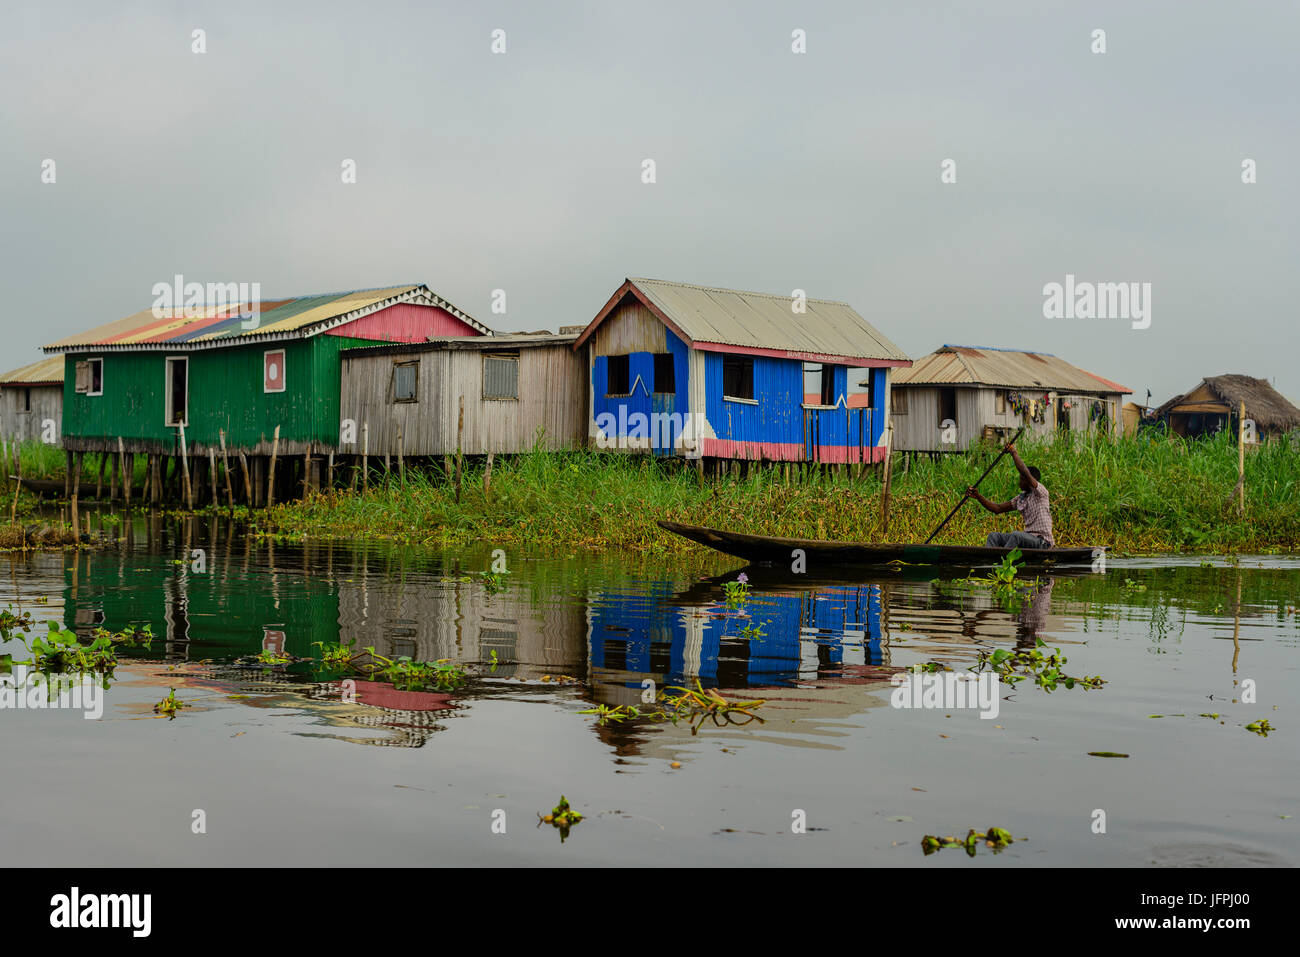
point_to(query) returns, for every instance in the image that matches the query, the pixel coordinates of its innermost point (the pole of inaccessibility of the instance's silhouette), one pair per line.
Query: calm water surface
(288, 773)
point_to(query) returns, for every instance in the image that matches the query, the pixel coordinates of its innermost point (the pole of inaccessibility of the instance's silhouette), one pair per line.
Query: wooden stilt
(186, 488)
(248, 483)
(225, 464)
(365, 458)
(270, 481)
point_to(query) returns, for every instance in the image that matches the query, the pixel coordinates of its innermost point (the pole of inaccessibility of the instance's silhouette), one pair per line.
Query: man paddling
(1032, 503)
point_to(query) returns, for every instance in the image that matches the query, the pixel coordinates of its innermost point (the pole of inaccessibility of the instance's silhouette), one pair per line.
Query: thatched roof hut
(1214, 403)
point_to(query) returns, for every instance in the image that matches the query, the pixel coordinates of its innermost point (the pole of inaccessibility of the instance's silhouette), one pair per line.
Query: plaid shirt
(1037, 511)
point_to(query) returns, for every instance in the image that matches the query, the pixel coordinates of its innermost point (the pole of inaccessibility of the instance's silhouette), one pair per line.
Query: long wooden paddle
(976, 485)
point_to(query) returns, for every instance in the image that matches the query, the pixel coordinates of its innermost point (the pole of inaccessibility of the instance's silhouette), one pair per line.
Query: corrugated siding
(551, 397)
(225, 392)
(47, 404)
(918, 429)
(404, 322)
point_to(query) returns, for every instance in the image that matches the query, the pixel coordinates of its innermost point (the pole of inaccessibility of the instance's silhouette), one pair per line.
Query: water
(285, 772)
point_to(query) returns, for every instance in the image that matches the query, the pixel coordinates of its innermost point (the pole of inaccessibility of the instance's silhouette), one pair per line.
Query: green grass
(1141, 494)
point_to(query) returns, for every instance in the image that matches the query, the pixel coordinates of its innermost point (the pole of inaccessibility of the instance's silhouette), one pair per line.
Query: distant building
(701, 372)
(958, 394)
(31, 402)
(1215, 404)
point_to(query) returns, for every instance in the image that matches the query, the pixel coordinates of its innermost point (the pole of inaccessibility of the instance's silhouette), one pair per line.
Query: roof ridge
(734, 292)
(1027, 352)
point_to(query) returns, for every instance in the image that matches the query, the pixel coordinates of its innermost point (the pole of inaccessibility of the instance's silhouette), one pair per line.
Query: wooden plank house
(960, 394)
(139, 384)
(476, 394)
(31, 402)
(706, 373)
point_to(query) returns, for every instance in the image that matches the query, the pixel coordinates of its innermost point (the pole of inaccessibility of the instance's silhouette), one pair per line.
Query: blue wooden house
(699, 372)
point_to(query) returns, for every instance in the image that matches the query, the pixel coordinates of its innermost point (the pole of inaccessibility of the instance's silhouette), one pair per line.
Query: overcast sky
(775, 171)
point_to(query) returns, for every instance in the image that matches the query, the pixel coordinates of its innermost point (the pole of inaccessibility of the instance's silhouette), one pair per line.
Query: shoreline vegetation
(1137, 495)
(1141, 494)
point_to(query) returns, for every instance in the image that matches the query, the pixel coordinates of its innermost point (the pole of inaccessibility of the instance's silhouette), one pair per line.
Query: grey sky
(776, 171)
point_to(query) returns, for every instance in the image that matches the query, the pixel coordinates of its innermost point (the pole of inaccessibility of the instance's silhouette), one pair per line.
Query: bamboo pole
(76, 492)
(365, 457)
(487, 479)
(329, 474)
(225, 462)
(270, 477)
(1241, 460)
(99, 479)
(212, 476)
(248, 482)
(884, 499)
(116, 459)
(185, 471)
(460, 457)
(401, 460)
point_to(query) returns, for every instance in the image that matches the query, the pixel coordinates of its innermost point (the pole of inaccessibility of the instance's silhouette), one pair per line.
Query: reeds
(1143, 494)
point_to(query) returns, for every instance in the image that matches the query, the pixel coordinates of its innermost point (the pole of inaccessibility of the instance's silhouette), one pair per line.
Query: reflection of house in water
(652, 633)
(427, 619)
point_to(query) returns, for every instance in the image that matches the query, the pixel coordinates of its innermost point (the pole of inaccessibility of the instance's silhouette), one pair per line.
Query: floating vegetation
(675, 704)
(624, 712)
(493, 582)
(562, 817)
(736, 594)
(169, 705)
(931, 667)
(266, 657)
(1107, 754)
(1015, 666)
(1260, 727)
(699, 705)
(406, 674)
(61, 651)
(1003, 580)
(996, 838)
(753, 632)
(337, 654)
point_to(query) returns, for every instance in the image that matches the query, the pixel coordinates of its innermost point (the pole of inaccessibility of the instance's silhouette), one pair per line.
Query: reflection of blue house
(700, 372)
(805, 633)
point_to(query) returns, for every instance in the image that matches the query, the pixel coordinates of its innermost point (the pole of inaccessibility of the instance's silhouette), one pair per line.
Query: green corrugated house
(139, 378)
(241, 368)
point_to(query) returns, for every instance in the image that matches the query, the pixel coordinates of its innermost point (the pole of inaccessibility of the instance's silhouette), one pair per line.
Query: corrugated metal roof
(981, 365)
(47, 370)
(765, 321)
(291, 318)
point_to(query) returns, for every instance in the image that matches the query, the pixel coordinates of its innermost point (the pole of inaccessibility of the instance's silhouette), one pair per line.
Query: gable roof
(705, 315)
(1008, 368)
(298, 317)
(48, 371)
(1268, 407)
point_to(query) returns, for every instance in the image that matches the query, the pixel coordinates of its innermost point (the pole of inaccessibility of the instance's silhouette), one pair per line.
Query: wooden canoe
(759, 548)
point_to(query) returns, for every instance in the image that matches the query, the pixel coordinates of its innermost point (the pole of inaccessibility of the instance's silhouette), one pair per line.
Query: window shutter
(83, 376)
